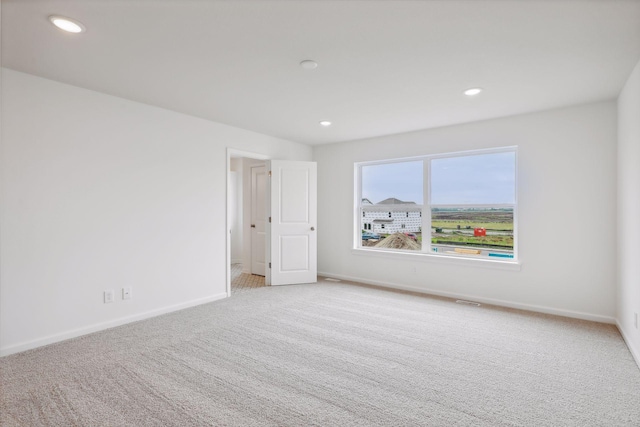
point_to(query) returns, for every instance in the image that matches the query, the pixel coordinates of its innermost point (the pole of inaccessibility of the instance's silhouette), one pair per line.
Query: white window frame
(426, 252)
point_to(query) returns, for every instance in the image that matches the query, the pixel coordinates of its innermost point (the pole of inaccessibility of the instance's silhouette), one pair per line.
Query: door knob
(253, 226)
(312, 228)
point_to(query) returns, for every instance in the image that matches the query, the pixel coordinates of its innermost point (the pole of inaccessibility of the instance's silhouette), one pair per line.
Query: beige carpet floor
(329, 354)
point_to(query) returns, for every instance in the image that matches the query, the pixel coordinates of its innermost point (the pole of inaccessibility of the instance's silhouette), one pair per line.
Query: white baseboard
(634, 351)
(492, 301)
(236, 261)
(28, 345)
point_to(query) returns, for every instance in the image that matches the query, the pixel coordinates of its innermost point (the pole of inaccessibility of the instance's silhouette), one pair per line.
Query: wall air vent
(461, 301)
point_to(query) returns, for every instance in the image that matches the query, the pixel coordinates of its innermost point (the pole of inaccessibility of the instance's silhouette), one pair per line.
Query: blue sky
(478, 179)
(400, 180)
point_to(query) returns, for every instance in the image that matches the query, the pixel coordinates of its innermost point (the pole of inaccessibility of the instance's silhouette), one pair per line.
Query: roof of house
(394, 201)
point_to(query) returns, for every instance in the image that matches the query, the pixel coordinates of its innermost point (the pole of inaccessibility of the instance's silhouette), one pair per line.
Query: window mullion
(426, 206)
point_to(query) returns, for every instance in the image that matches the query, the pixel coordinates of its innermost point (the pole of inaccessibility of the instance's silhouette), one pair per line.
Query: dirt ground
(394, 241)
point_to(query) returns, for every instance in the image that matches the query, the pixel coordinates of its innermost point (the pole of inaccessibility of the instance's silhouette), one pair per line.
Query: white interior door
(293, 240)
(258, 219)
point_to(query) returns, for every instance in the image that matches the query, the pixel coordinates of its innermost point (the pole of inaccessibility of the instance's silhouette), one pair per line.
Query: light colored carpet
(329, 354)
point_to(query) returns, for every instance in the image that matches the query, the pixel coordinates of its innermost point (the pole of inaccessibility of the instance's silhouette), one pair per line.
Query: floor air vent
(461, 301)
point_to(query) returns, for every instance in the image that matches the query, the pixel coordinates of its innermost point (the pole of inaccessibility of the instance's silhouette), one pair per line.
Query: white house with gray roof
(391, 216)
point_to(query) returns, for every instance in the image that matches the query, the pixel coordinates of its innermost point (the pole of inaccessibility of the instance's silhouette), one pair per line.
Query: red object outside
(478, 232)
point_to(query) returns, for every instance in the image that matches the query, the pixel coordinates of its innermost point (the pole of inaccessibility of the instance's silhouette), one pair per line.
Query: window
(392, 188)
(466, 200)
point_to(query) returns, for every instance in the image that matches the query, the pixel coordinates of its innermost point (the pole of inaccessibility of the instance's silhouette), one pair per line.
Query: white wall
(629, 211)
(99, 193)
(567, 212)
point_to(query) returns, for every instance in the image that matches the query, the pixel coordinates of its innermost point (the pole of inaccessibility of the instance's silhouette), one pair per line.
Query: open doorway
(289, 240)
(247, 212)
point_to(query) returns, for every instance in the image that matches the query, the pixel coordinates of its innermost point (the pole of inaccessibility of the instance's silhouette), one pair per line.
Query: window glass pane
(473, 231)
(391, 206)
(479, 179)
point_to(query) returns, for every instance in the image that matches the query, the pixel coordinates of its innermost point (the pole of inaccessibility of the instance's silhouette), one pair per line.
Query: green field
(494, 220)
(468, 219)
(493, 226)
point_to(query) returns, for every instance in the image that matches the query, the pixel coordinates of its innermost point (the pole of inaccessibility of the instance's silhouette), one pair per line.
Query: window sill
(438, 258)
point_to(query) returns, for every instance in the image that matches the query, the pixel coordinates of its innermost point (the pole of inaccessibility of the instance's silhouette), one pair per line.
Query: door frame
(232, 152)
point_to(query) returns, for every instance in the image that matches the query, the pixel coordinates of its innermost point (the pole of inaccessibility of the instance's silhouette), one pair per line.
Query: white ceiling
(384, 66)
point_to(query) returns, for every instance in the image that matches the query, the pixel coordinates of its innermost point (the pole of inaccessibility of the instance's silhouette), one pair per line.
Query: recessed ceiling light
(308, 64)
(325, 123)
(473, 91)
(67, 24)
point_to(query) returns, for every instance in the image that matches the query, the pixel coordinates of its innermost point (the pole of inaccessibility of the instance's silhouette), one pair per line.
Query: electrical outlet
(108, 296)
(635, 320)
(126, 293)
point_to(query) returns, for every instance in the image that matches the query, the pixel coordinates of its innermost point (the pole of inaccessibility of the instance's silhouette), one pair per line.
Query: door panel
(294, 203)
(294, 253)
(258, 219)
(293, 222)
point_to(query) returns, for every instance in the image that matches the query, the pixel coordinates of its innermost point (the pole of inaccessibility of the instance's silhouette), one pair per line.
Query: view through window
(392, 195)
(461, 204)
